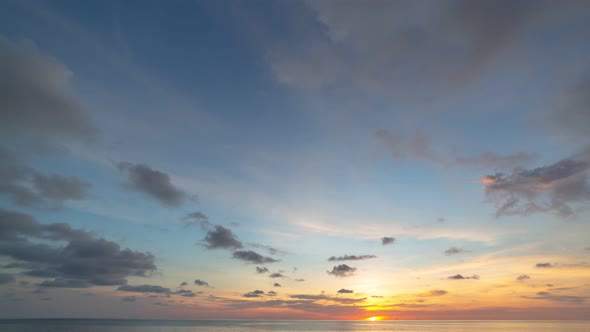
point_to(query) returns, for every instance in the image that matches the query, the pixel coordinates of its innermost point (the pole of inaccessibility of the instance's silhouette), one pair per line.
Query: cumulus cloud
(6, 278)
(255, 293)
(455, 251)
(203, 283)
(345, 291)
(276, 275)
(387, 240)
(460, 277)
(342, 271)
(543, 265)
(185, 293)
(37, 103)
(195, 219)
(153, 183)
(553, 188)
(261, 270)
(523, 277)
(145, 289)
(276, 284)
(221, 238)
(250, 256)
(71, 256)
(350, 258)
(30, 188)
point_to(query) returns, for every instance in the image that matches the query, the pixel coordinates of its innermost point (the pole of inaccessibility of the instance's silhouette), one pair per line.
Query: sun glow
(372, 319)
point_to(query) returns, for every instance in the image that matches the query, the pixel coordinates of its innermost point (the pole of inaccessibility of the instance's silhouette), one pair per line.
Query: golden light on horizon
(372, 319)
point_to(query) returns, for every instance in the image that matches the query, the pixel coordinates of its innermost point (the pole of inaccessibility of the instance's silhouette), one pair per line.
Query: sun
(372, 319)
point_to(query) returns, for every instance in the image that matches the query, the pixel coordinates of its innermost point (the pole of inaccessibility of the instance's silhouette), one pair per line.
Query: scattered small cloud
(184, 283)
(276, 284)
(269, 249)
(154, 183)
(342, 271)
(65, 283)
(543, 265)
(523, 277)
(250, 256)
(255, 293)
(300, 280)
(145, 289)
(221, 238)
(455, 251)
(434, 292)
(345, 291)
(271, 293)
(195, 219)
(261, 270)
(161, 304)
(185, 293)
(460, 277)
(387, 240)
(350, 258)
(558, 298)
(203, 283)
(277, 275)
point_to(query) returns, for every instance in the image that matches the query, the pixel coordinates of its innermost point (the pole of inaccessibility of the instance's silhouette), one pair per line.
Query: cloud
(271, 250)
(571, 114)
(72, 256)
(184, 283)
(153, 183)
(195, 219)
(435, 292)
(276, 284)
(161, 304)
(261, 270)
(250, 256)
(543, 265)
(29, 188)
(523, 277)
(37, 103)
(326, 298)
(557, 298)
(128, 299)
(345, 291)
(221, 238)
(66, 283)
(6, 278)
(256, 293)
(299, 280)
(145, 289)
(460, 277)
(276, 275)
(185, 293)
(454, 251)
(553, 188)
(350, 258)
(203, 283)
(387, 240)
(342, 271)
(271, 293)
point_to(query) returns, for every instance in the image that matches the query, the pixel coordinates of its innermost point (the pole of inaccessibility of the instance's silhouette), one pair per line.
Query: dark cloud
(37, 103)
(261, 270)
(71, 256)
(523, 277)
(221, 238)
(345, 291)
(185, 293)
(387, 240)
(252, 257)
(543, 265)
(145, 289)
(558, 298)
(554, 188)
(256, 293)
(269, 249)
(276, 284)
(276, 275)
(184, 283)
(342, 271)
(195, 219)
(350, 258)
(66, 283)
(271, 293)
(153, 183)
(460, 277)
(323, 297)
(128, 299)
(203, 283)
(6, 278)
(27, 187)
(454, 251)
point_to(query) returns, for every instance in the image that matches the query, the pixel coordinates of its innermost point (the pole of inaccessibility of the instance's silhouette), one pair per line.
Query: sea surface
(107, 325)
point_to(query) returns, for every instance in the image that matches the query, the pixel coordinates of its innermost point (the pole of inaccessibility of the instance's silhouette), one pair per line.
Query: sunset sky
(295, 159)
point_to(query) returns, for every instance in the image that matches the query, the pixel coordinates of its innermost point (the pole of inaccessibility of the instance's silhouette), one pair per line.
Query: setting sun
(372, 319)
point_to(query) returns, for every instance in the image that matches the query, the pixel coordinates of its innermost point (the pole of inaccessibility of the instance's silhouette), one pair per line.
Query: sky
(295, 159)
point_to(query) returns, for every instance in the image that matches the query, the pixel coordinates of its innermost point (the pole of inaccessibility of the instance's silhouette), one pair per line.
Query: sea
(108, 325)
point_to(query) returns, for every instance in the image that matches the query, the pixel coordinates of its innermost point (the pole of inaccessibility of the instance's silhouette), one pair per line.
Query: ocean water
(107, 325)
